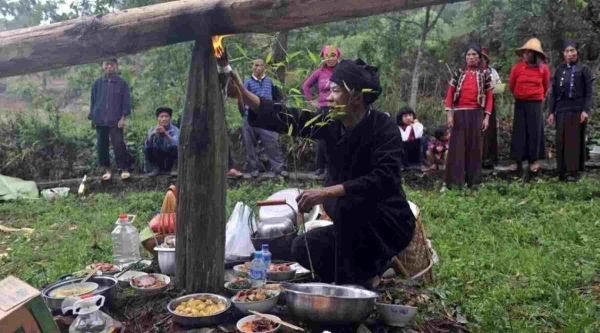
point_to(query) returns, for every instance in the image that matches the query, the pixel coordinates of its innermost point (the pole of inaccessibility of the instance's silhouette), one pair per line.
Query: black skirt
(528, 132)
(570, 142)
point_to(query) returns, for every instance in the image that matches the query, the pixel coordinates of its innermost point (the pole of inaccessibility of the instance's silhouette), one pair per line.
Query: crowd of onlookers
(461, 147)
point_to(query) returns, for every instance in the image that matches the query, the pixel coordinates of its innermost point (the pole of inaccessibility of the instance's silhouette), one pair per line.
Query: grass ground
(514, 257)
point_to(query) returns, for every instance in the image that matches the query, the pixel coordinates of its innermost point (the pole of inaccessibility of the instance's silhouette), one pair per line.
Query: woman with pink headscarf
(320, 78)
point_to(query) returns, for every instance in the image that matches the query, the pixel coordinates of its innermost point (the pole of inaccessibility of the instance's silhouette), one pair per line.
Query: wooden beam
(90, 39)
(201, 185)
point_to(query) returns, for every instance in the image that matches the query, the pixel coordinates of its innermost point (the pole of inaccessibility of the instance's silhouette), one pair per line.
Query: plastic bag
(237, 233)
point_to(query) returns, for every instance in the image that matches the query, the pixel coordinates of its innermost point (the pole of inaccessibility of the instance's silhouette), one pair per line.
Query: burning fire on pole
(227, 75)
(218, 49)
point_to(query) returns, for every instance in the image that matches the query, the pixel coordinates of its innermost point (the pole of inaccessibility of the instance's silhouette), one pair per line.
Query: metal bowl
(189, 321)
(106, 287)
(326, 303)
(166, 259)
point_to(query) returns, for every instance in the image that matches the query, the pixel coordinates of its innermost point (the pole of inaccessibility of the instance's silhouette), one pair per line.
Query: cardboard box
(22, 309)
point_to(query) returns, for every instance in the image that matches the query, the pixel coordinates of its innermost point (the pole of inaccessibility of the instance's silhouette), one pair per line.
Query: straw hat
(532, 44)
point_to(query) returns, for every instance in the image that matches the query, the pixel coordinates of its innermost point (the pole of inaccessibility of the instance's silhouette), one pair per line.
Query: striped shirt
(261, 88)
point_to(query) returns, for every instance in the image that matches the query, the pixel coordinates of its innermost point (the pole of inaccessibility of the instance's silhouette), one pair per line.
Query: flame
(218, 48)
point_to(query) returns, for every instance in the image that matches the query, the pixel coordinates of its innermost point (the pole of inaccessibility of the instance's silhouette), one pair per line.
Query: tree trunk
(201, 184)
(414, 88)
(93, 38)
(279, 52)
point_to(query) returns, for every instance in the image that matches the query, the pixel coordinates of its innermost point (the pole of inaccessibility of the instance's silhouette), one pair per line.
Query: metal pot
(189, 321)
(106, 287)
(329, 304)
(166, 259)
(280, 247)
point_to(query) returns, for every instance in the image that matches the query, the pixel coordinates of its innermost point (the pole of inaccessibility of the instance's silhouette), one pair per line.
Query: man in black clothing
(110, 104)
(363, 193)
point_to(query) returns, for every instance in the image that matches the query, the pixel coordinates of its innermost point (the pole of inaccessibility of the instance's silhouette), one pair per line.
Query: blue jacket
(109, 101)
(159, 141)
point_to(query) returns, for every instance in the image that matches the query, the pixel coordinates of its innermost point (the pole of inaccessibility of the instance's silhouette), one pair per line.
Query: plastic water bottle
(258, 271)
(126, 242)
(266, 255)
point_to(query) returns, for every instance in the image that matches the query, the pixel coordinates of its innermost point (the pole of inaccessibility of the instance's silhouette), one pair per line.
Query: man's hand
(121, 123)
(224, 60)
(486, 122)
(550, 119)
(160, 130)
(584, 117)
(310, 198)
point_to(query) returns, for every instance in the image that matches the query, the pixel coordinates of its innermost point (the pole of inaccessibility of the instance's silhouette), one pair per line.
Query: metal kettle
(274, 227)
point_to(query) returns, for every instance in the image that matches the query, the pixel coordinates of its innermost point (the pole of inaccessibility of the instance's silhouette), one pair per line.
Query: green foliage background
(158, 77)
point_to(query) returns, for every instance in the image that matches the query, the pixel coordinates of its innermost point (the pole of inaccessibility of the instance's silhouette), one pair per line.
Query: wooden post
(201, 184)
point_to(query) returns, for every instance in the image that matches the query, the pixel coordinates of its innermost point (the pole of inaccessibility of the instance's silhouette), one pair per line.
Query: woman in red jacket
(529, 81)
(469, 102)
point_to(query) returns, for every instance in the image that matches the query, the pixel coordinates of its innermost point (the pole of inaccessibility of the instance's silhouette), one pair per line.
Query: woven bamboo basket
(416, 260)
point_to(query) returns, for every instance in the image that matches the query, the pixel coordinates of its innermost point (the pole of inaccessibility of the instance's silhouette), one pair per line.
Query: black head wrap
(476, 48)
(403, 111)
(570, 43)
(359, 77)
(164, 110)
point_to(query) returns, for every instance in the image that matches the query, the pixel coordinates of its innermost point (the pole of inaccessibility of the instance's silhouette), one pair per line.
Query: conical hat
(532, 44)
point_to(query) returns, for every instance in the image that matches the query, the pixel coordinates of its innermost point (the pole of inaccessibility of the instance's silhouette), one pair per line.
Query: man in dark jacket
(160, 146)
(110, 104)
(363, 193)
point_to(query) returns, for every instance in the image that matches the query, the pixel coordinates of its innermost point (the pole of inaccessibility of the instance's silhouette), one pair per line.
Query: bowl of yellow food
(199, 310)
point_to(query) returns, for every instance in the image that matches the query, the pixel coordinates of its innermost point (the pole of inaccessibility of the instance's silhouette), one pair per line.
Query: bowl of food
(150, 284)
(197, 310)
(241, 270)
(234, 286)
(104, 268)
(281, 272)
(257, 299)
(256, 324)
(125, 278)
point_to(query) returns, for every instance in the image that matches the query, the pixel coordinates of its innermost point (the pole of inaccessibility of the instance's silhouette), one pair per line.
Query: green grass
(513, 257)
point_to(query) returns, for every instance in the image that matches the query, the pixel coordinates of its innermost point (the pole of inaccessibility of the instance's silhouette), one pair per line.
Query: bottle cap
(265, 247)
(123, 216)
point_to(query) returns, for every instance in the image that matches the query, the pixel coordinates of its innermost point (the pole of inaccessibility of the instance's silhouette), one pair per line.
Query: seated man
(160, 147)
(363, 194)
